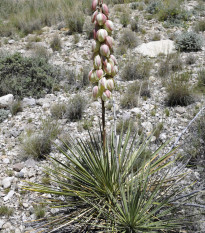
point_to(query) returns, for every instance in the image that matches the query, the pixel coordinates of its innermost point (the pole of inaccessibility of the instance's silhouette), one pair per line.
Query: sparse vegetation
(125, 124)
(190, 59)
(136, 69)
(75, 108)
(16, 107)
(39, 211)
(179, 91)
(200, 26)
(56, 43)
(135, 24)
(58, 110)
(128, 38)
(6, 211)
(201, 81)
(38, 144)
(125, 18)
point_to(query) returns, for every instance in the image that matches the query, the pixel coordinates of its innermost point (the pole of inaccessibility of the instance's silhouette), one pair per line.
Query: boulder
(154, 48)
(6, 100)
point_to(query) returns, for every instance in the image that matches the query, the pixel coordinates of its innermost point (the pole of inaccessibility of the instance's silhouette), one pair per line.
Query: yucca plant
(105, 193)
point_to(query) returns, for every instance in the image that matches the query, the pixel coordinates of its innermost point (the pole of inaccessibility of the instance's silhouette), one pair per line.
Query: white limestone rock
(154, 48)
(6, 100)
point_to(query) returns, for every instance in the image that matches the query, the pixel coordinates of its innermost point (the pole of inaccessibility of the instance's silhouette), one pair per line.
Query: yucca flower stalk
(103, 60)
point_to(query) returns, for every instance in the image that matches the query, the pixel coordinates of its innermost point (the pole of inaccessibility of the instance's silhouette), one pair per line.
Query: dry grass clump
(179, 91)
(128, 38)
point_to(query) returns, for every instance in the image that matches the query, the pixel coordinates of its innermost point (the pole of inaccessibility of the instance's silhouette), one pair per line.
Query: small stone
(9, 195)
(30, 163)
(6, 183)
(25, 205)
(6, 160)
(147, 126)
(28, 102)
(17, 230)
(18, 167)
(11, 41)
(180, 110)
(1, 223)
(126, 116)
(136, 111)
(20, 174)
(7, 225)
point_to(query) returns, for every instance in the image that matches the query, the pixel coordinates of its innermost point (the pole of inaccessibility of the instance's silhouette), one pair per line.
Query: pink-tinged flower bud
(94, 4)
(114, 71)
(92, 76)
(95, 92)
(97, 62)
(114, 59)
(111, 62)
(101, 35)
(99, 74)
(109, 26)
(105, 9)
(102, 84)
(95, 46)
(106, 95)
(104, 50)
(110, 84)
(108, 68)
(94, 34)
(101, 19)
(93, 18)
(109, 41)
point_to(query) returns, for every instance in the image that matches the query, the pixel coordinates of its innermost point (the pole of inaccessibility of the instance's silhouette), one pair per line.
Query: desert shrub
(3, 114)
(88, 28)
(75, 108)
(144, 89)
(56, 43)
(156, 37)
(6, 29)
(125, 18)
(38, 144)
(6, 211)
(157, 130)
(195, 144)
(40, 52)
(75, 21)
(179, 91)
(16, 107)
(201, 80)
(172, 12)
(130, 98)
(188, 41)
(85, 79)
(135, 24)
(58, 110)
(136, 69)
(121, 49)
(128, 38)
(23, 76)
(200, 26)
(190, 59)
(154, 7)
(172, 63)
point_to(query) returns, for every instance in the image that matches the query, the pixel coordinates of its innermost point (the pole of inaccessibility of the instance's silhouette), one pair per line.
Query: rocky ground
(14, 171)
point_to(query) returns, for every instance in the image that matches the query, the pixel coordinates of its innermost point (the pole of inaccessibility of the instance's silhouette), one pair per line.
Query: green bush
(75, 21)
(190, 59)
(136, 69)
(3, 114)
(23, 76)
(189, 41)
(154, 7)
(56, 43)
(201, 81)
(128, 38)
(135, 24)
(75, 108)
(179, 91)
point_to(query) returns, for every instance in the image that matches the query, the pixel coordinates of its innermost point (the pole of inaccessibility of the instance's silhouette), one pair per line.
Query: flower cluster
(105, 64)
